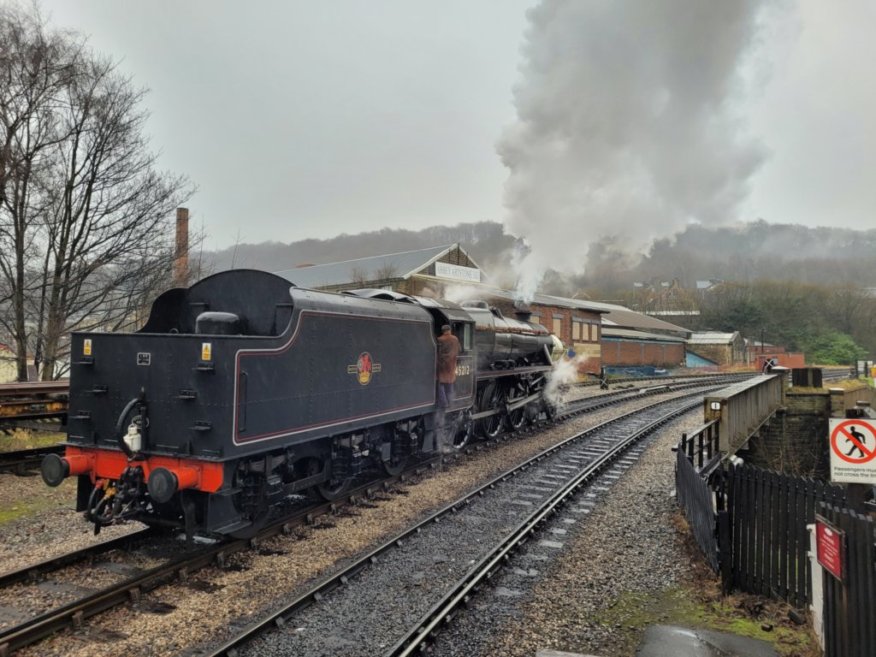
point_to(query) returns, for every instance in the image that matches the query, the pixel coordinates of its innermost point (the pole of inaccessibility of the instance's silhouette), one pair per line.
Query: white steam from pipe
(627, 126)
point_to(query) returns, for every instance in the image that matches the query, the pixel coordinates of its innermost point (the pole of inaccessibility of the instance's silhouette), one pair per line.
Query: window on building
(558, 326)
(594, 332)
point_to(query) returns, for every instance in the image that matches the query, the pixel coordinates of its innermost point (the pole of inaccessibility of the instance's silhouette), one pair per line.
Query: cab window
(462, 331)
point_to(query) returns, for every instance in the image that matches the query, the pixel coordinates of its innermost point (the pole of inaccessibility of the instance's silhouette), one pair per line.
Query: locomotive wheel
(332, 490)
(490, 398)
(394, 467)
(532, 409)
(464, 430)
(517, 418)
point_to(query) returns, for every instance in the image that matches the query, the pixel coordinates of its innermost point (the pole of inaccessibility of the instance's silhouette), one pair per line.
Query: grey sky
(308, 119)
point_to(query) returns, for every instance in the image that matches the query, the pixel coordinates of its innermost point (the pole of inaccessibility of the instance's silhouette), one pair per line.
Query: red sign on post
(829, 543)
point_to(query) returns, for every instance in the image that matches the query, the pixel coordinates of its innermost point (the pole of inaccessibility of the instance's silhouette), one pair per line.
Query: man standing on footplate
(448, 352)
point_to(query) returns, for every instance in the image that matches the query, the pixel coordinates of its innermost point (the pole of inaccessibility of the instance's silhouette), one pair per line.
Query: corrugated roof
(712, 337)
(630, 334)
(625, 318)
(544, 299)
(373, 268)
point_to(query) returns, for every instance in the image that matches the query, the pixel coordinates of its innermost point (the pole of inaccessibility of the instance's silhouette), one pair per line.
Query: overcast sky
(309, 119)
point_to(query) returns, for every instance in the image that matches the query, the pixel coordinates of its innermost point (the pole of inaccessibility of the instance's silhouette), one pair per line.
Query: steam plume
(627, 125)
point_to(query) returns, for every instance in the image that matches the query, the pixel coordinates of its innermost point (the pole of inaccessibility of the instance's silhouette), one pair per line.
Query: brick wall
(842, 399)
(718, 353)
(795, 441)
(630, 353)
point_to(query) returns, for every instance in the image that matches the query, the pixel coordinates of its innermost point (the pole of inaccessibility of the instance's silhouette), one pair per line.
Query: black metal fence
(768, 514)
(697, 500)
(751, 525)
(849, 615)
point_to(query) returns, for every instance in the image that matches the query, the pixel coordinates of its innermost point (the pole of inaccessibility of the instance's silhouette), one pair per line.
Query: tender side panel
(337, 372)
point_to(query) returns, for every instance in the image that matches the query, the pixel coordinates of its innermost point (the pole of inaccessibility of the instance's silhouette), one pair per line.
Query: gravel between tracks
(213, 602)
(626, 547)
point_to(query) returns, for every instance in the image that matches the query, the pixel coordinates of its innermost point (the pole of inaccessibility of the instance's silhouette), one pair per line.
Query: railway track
(23, 461)
(31, 402)
(144, 579)
(26, 460)
(42, 569)
(130, 587)
(357, 611)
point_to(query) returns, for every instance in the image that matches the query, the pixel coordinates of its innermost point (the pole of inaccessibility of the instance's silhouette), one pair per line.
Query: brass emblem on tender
(364, 368)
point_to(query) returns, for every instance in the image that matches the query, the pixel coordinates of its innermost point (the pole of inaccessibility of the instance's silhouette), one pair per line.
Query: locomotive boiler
(244, 390)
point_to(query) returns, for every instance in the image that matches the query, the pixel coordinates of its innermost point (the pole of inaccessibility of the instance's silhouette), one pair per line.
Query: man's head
(445, 328)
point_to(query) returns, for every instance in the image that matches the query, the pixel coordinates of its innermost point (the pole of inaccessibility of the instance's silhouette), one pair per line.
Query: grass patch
(25, 439)
(21, 497)
(695, 608)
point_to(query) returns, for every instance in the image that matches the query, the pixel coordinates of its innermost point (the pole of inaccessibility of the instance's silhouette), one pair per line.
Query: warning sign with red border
(853, 451)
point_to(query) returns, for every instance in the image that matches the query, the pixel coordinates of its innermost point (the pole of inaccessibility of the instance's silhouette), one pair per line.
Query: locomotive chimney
(522, 312)
(181, 256)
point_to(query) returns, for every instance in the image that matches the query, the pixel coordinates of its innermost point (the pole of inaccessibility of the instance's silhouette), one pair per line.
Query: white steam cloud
(563, 375)
(627, 125)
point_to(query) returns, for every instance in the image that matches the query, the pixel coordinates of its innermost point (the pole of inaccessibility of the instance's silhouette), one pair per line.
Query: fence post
(817, 591)
(725, 551)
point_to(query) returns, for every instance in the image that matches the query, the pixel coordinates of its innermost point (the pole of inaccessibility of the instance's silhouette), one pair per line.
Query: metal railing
(740, 409)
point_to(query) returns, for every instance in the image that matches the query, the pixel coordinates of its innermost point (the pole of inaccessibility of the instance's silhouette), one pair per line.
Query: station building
(449, 272)
(599, 334)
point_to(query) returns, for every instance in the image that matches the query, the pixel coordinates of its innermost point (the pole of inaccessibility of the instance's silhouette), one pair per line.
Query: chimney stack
(181, 257)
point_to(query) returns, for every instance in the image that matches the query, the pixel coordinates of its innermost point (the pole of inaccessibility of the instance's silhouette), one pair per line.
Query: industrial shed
(425, 272)
(718, 347)
(626, 348)
(633, 340)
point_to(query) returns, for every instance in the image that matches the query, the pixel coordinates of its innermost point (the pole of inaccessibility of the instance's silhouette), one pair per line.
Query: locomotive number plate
(144, 358)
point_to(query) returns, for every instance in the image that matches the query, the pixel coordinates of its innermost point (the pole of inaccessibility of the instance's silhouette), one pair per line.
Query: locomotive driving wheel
(490, 399)
(463, 430)
(405, 441)
(334, 488)
(533, 408)
(516, 391)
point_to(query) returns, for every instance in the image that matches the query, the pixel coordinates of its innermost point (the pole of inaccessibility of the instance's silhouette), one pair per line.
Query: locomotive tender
(244, 389)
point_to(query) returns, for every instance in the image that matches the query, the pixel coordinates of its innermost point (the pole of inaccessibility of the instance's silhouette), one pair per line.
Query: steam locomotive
(244, 389)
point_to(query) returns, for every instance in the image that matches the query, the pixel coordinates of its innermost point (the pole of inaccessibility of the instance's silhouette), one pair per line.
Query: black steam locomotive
(244, 389)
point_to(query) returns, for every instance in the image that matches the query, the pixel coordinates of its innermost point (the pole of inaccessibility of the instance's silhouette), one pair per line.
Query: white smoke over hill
(628, 125)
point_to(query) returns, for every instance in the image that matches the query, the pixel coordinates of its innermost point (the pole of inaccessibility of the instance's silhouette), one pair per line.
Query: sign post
(853, 451)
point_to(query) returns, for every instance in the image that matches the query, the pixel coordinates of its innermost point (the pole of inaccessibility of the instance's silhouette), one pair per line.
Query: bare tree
(35, 66)
(85, 208)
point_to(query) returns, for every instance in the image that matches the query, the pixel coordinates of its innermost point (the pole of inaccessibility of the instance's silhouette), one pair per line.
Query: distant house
(8, 367)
